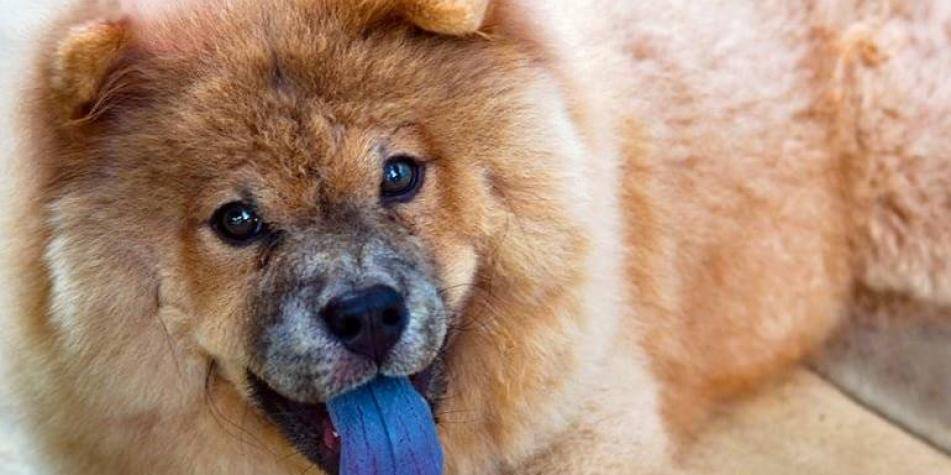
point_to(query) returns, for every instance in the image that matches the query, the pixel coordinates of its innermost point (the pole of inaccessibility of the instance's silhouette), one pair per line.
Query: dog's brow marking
(278, 77)
(402, 126)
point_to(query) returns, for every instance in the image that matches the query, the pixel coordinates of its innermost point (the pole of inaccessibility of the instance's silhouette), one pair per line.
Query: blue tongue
(386, 428)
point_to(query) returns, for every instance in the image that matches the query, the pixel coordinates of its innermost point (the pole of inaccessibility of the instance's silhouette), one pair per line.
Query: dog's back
(783, 161)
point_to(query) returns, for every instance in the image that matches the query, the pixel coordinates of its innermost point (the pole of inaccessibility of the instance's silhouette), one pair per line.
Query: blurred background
(20, 21)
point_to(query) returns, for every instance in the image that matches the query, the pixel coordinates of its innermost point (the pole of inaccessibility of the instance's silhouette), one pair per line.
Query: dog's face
(316, 194)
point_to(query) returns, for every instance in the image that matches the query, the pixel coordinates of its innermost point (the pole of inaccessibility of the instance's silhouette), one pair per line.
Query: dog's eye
(401, 179)
(237, 223)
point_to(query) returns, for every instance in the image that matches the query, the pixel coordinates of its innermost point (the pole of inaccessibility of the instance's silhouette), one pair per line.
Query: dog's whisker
(219, 417)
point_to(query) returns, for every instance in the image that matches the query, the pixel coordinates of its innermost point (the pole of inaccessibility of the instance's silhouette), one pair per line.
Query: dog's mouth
(308, 427)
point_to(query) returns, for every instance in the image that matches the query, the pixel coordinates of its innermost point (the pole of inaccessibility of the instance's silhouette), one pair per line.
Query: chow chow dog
(577, 226)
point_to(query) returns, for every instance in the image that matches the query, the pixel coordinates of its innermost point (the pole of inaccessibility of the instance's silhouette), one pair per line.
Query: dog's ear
(515, 19)
(82, 64)
(451, 17)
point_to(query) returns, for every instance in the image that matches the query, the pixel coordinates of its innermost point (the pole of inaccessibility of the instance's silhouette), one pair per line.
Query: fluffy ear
(81, 64)
(451, 17)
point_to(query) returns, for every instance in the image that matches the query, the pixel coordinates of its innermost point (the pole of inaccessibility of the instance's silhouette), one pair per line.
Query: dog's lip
(307, 426)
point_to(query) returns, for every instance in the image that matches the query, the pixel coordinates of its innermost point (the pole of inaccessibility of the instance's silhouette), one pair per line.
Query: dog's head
(301, 195)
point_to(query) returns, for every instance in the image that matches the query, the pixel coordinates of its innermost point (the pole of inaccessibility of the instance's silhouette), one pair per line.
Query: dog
(578, 227)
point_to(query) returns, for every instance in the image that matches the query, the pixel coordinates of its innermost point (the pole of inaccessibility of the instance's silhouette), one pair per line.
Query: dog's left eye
(402, 176)
(237, 223)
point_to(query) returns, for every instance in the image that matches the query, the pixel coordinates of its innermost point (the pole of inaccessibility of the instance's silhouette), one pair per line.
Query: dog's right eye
(237, 223)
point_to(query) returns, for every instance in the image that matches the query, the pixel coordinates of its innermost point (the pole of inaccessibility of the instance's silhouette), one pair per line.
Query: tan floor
(806, 426)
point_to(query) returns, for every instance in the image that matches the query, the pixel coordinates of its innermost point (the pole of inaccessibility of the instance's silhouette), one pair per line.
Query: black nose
(368, 322)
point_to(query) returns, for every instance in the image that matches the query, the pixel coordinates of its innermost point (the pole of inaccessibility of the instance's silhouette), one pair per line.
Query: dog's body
(641, 208)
